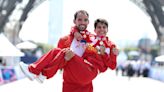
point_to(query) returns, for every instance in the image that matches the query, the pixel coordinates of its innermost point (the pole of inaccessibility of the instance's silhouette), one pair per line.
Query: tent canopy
(159, 58)
(7, 48)
(26, 45)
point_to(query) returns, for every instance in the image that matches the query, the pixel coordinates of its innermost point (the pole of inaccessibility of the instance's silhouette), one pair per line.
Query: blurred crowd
(139, 66)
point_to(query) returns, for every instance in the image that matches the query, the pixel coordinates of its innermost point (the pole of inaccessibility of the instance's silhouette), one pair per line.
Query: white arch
(127, 22)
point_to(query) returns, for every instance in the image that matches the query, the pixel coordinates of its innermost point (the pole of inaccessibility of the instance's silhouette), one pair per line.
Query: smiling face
(81, 21)
(101, 27)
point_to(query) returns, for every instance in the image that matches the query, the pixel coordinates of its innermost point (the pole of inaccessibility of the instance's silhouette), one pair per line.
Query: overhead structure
(155, 9)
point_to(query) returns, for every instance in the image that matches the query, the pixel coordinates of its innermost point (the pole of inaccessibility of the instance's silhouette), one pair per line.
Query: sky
(36, 25)
(127, 22)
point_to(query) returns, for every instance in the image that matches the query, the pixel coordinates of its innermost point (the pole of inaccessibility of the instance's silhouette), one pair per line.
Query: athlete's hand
(68, 54)
(115, 51)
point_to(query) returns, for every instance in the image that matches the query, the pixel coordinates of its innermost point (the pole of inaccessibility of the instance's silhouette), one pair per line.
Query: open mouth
(82, 27)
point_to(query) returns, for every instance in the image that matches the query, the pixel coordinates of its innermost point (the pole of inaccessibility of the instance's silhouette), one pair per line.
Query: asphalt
(106, 82)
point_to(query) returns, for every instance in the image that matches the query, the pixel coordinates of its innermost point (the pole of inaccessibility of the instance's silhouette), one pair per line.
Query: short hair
(100, 20)
(80, 11)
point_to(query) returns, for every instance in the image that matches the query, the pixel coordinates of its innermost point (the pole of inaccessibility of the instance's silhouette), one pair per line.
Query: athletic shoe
(41, 78)
(25, 70)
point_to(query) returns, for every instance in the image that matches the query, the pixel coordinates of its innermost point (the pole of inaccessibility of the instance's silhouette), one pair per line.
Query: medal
(101, 43)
